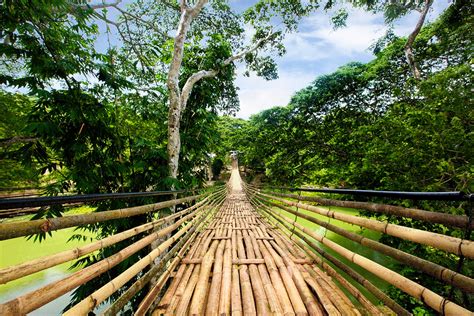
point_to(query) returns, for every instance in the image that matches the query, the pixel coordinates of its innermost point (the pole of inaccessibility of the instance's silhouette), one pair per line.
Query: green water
(18, 250)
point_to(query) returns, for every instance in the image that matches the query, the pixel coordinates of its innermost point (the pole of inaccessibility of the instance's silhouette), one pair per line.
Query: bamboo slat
(147, 302)
(240, 268)
(180, 248)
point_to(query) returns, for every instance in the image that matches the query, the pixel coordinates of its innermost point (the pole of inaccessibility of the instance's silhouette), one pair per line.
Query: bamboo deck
(241, 264)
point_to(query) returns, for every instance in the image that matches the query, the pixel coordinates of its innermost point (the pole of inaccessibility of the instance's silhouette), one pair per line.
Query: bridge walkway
(241, 264)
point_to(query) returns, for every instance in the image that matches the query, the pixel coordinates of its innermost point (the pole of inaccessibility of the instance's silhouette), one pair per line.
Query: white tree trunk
(177, 106)
(411, 40)
(178, 99)
(174, 139)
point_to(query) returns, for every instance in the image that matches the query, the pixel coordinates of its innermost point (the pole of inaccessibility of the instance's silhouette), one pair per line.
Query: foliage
(97, 121)
(371, 126)
(13, 120)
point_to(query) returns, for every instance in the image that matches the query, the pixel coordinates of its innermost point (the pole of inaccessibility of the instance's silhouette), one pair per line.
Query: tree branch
(100, 6)
(411, 39)
(194, 78)
(17, 139)
(106, 20)
(249, 50)
(198, 7)
(139, 19)
(188, 86)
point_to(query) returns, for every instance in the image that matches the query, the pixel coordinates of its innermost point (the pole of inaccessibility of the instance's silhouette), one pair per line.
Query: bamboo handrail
(18, 229)
(18, 271)
(435, 301)
(460, 221)
(353, 274)
(450, 244)
(181, 246)
(93, 300)
(444, 274)
(148, 300)
(37, 298)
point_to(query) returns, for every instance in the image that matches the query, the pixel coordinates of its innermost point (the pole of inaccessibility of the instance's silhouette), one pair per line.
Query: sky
(318, 49)
(314, 50)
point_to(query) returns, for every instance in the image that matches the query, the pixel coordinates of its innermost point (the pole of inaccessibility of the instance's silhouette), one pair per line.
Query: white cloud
(318, 40)
(316, 48)
(257, 94)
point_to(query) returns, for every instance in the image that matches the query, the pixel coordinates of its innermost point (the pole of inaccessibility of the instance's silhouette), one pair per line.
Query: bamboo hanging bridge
(241, 250)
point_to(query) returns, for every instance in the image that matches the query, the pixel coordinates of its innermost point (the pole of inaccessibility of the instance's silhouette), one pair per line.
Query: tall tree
(264, 38)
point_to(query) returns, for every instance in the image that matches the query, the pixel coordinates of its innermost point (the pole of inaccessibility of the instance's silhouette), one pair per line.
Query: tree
(392, 11)
(372, 126)
(264, 36)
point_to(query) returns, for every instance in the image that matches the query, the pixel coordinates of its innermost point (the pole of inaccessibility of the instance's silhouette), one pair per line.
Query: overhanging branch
(194, 78)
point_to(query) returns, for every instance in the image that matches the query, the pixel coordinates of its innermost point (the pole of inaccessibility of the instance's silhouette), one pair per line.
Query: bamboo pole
(276, 280)
(419, 292)
(290, 253)
(460, 221)
(18, 229)
(171, 299)
(450, 244)
(188, 292)
(18, 271)
(183, 304)
(322, 295)
(124, 299)
(353, 274)
(37, 298)
(151, 295)
(215, 288)
(179, 248)
(93, 300)
(311, 305)
(273, 301)
(328, 282)
(198, 302)
(248, 300)
(336, 297)
(257, 284)
(236, 301)
(292, 289)
(441, 273)
(225, 291)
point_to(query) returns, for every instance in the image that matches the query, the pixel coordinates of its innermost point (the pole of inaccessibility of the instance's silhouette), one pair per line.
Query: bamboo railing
(243, 251)
(33, 300)
(266, 203)
(444, 274)
(460, 221)
(458, 246)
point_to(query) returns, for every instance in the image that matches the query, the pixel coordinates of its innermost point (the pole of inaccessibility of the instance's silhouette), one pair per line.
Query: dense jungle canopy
(78, 119)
